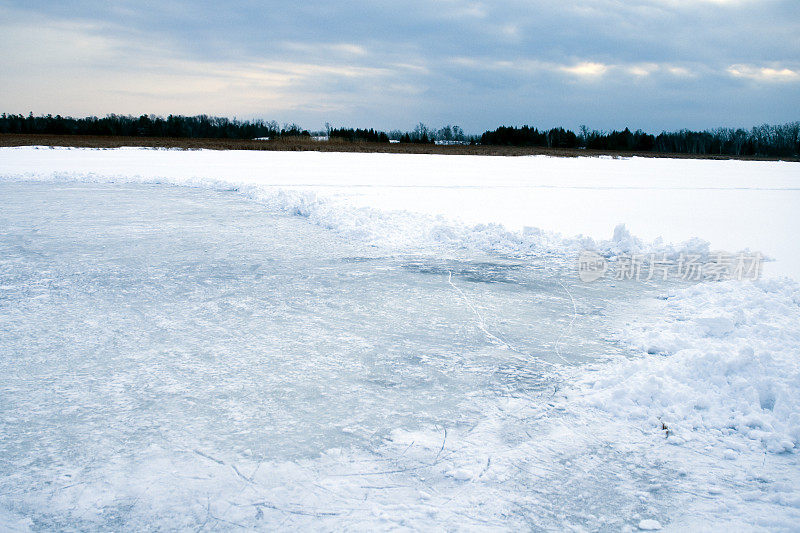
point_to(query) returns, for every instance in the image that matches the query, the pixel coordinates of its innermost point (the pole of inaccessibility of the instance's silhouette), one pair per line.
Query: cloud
(642, 70)
(587, 69)
(73, 63)
(682, 72)
(321, 47)
(768, 74)
(644, 63)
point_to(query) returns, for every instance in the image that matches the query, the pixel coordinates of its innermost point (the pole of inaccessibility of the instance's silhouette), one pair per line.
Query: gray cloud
(655, 64)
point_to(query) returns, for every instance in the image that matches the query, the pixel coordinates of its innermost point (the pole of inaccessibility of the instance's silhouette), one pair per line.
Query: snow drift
(722, 360)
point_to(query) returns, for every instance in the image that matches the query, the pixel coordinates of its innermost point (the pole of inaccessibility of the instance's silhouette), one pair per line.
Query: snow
(737, 204)
(725, 366)
(378, 341)
(649, 525)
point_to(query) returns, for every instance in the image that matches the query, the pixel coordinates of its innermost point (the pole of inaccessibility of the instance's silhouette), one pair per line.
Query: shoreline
(308, 145)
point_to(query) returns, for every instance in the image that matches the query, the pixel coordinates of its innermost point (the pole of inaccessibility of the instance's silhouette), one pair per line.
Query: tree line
(358, 135)
(201, 126)
(766, 140)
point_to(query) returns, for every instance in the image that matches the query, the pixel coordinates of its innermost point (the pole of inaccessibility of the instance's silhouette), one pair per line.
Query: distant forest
(766, 140)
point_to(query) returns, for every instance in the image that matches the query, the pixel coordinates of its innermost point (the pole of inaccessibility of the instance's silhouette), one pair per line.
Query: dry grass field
(305, 144)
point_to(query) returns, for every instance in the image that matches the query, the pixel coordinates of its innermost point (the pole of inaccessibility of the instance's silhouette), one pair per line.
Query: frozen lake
(197, 321)
(223, 340)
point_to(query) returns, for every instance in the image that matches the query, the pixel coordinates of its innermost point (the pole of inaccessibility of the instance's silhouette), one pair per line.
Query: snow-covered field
(217, 340)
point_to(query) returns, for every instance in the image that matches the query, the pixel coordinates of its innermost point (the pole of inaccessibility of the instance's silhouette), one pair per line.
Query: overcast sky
(651, 64)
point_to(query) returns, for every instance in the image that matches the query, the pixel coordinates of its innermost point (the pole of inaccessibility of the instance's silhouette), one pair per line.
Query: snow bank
(403, 231)
(720, 360)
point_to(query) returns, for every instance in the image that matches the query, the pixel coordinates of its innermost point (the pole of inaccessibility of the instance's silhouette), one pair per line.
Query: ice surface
(156, 336)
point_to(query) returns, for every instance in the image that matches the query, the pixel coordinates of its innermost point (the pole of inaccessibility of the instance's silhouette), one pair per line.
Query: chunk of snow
(716, 326)
(649, 525)
(461, 474)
